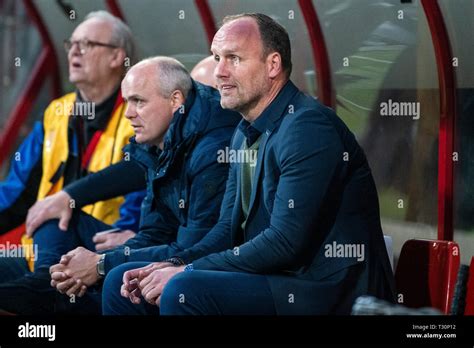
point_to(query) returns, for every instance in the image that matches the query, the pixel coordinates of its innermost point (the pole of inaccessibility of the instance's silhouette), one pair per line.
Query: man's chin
(141, 140)
(76, 78)
(229, 104)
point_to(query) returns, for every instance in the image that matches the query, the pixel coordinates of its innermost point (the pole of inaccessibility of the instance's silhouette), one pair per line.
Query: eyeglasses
(85, 45)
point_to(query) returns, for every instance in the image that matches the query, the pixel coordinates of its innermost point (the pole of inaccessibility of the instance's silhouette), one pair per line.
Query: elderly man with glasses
(85, 45)
(81, 133)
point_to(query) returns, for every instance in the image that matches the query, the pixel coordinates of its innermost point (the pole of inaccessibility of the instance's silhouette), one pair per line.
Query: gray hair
(121, 33)
(171, 75)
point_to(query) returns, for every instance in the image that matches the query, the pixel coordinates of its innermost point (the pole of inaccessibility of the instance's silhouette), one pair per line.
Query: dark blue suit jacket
(313, 193)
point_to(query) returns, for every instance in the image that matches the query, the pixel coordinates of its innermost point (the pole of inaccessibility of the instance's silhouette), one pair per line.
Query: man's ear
(177, 99)
(274, 65)
(118, 58)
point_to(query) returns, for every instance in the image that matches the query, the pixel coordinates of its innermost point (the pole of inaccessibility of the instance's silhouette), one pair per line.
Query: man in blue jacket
(179, 127)
(303, 218)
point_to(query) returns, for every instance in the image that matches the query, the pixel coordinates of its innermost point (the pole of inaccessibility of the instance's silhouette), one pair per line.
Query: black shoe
(31, 294)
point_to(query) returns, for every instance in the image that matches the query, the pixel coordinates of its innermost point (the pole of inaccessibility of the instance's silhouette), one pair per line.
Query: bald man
(203, 72)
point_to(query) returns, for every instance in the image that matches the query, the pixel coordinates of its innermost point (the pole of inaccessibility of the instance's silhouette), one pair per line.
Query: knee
(111, 290)
(113, 280)
(178, 294)
(49, 225)
(112, 301)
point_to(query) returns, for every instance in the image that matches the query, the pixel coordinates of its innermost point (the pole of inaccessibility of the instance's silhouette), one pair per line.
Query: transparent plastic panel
(386, 84)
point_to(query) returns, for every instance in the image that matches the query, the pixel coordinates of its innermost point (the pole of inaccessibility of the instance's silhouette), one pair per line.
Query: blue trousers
(12, 268)
(194, 293)
(53, 243)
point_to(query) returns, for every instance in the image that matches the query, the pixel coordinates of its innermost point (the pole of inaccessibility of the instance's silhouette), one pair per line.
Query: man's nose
(130, 111)
(221, 69)
(75, 50)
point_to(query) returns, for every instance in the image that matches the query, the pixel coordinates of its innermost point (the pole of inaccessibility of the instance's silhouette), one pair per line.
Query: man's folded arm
(116, 180)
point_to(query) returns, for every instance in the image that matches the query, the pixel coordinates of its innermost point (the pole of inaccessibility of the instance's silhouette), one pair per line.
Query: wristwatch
(176, 261)
(101, 266)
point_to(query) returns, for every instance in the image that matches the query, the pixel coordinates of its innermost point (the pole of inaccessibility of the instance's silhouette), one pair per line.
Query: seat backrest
(458, 304)
(469, 310)
(426, 273)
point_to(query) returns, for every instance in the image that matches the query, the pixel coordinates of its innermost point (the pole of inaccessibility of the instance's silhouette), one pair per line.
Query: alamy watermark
(393, 108)
(37, 331)
(78, 108)
(19, 251)
(229, 155)
(345, 250)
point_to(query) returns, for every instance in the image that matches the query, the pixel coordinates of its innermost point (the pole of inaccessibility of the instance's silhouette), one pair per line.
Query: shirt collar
(251, 133)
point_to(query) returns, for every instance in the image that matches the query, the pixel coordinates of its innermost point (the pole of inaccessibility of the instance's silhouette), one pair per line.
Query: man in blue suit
(299, 230)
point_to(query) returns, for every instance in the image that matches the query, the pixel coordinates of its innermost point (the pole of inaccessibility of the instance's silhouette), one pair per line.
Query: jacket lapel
(258, 168)
(237, 143)
(273, 117)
